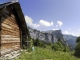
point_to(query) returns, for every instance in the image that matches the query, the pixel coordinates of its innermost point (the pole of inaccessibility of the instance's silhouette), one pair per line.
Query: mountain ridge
(53, 36)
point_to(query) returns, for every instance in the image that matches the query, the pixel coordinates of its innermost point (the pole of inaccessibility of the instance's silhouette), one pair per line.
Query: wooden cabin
(13, 29)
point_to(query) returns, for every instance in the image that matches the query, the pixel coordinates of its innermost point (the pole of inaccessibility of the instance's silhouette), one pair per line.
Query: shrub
(57, 46)
(42, 44)
(78, 40)
(39, 43)
(66, 49)
(77, 50)
(36, 42)
(24, 47)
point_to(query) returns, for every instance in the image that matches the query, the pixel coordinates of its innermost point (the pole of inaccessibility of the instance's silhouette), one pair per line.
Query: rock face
(40, 35)
(56, 34)
(47, 36)
(53, 36)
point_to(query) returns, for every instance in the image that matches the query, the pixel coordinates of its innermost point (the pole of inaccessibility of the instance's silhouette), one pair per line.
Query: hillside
(71, 40)
(53, 36)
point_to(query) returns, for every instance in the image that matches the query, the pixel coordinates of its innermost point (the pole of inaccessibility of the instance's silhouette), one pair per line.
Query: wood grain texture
(10, 35)
(10, 45)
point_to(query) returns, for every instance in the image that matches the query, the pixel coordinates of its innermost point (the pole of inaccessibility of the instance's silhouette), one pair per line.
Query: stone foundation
(11, 55)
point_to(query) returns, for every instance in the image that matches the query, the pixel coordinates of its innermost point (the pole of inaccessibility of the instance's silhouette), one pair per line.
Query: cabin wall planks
(13, 30)
(10, 33)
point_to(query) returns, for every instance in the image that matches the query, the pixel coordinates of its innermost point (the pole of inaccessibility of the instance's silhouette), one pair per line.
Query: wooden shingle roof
(19, 14)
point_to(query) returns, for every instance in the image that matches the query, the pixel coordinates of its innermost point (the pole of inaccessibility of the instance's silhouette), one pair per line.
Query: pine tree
(77, 49)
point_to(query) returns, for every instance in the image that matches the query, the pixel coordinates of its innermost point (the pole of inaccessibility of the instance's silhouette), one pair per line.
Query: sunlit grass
(43, 53)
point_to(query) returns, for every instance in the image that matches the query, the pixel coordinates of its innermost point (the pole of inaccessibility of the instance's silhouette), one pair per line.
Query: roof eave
(7, 3)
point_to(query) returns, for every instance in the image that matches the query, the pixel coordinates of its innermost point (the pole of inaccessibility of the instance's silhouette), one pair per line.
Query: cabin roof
(19, 14)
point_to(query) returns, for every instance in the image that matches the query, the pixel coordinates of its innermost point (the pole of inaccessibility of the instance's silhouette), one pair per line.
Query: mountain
(71, 40)
(47, 36)
(53, 36)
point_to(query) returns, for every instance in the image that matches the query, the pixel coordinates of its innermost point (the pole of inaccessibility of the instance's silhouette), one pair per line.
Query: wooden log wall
(10, 35)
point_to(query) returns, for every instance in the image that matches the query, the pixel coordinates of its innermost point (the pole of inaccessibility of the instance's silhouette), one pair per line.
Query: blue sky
(52, 14)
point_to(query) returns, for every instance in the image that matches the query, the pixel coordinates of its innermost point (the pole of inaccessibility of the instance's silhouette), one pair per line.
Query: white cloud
(66, 32)
(45, 23)
(30, 22)
(60, 23)
(71, 33)
(78, 34)
(35, 25)
(55, 29)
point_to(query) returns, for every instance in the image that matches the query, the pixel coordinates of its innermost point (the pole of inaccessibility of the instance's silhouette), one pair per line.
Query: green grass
(43, 53)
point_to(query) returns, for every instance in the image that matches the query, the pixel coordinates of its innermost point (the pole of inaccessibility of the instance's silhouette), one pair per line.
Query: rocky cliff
(47, 36)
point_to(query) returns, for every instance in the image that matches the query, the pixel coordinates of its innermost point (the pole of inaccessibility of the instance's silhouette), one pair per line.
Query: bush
(77, 50)
(78, 40)
(66, 49)
(36, 42)
(57, 46)
(42, 44)
(24, 47)
(39, 43)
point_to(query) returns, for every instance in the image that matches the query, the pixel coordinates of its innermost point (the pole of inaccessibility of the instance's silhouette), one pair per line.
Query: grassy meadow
(46, 54)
